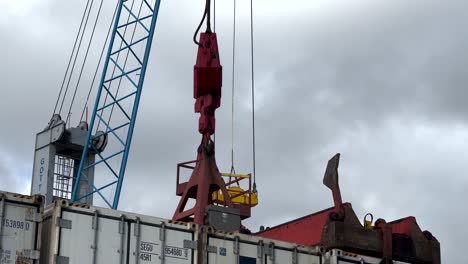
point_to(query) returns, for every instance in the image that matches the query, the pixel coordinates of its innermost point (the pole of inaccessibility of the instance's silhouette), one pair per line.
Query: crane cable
(76, 56)
(99, 62)
(71, 57)
(233, 86)
(253, 95)
(207, 16)
(84, 60)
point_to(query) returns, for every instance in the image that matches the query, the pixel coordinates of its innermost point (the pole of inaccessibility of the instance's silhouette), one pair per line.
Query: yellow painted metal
(236, 175)
(368, 222)
(243, 199)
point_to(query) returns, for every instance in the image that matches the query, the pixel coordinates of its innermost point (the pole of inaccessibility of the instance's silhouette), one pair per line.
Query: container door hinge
(122, 238)
(294, 256)
(31, 254)
(236, 249)
(62, 260)
(64, 223)
(94, 227)
(136, 231)
(270, 251)
(260, 250)
(33, 216)
(190, 244)
(122, 226)
(162, 238)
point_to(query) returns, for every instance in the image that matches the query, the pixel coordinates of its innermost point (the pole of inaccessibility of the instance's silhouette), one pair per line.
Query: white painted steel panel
(254, 250)
(77, 243)
(337, 256)
(148, 247)
(225, 251)
(19, 229)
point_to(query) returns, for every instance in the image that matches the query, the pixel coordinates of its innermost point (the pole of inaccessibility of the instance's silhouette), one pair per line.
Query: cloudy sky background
(382, 82)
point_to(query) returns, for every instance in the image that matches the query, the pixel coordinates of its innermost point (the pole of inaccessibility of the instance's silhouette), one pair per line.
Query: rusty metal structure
(338, 227)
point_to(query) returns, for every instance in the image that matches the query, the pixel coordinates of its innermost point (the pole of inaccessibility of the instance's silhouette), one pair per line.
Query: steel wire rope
(84, 62)
(76, 56)
(115, 66)
(214, 15)
(214, 30)
(71, 57)
(99, 62)
(253, 95)
(233, 85)
(206, 15)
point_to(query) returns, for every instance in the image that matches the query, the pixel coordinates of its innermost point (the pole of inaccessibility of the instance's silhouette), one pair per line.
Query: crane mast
(117, 101)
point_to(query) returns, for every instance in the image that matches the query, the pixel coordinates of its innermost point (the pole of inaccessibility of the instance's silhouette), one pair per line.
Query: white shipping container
(338, 256)
(234, 248)
(79, 234)
(19, 230)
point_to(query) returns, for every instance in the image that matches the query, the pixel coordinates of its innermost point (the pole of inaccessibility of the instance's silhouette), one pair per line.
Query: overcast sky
(382, 82)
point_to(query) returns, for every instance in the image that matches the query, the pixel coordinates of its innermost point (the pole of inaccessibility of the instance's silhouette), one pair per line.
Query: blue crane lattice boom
(120, 88)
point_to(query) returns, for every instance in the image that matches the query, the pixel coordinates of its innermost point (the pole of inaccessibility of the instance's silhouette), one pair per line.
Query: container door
(92, 239)
(18, 233)
(159, 244)
(232, 251)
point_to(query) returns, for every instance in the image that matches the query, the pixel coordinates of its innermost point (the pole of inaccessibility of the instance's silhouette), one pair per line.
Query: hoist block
(208, 69)
(207, 82)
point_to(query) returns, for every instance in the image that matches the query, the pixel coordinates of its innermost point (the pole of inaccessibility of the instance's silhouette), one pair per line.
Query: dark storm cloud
(380, 81)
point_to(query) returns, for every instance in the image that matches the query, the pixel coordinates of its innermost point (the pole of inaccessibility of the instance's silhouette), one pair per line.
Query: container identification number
(147, 251)
(176, 252)
(15, 224)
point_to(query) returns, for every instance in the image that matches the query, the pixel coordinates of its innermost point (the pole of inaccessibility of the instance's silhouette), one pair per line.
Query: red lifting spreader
(206, 178)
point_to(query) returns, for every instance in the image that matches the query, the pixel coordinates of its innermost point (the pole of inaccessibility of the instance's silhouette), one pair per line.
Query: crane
(132, 70)
(65, 158)
(206, 185)
(65, 155)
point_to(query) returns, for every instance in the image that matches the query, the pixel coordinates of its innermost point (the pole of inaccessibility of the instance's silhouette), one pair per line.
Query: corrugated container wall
(20, 217)
(77, 234)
